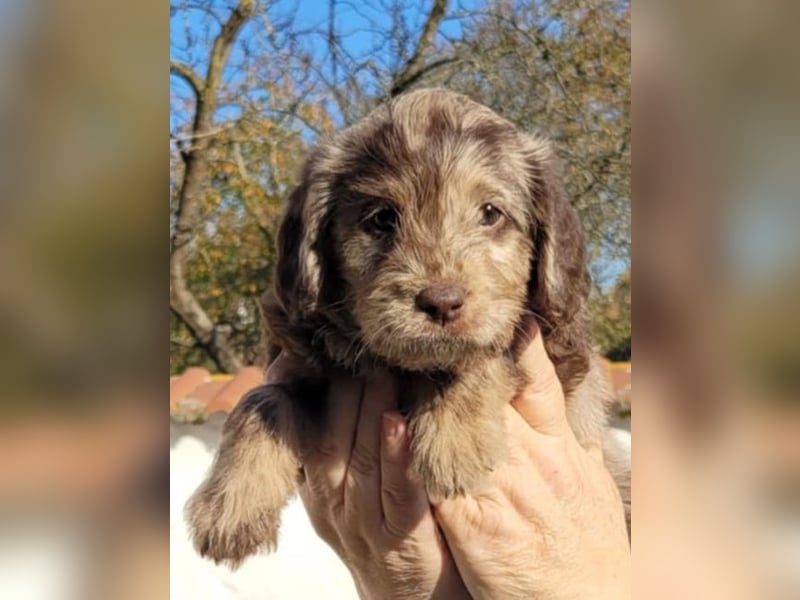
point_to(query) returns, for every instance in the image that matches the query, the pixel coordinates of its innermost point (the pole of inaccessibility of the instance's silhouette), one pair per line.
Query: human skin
(363, 501)
(549, 523)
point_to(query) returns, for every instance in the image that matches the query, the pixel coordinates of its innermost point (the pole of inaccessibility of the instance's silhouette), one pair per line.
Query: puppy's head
(425, 233)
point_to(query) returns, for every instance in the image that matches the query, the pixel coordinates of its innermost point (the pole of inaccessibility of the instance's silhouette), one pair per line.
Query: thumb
(541, 401)
(402, 496)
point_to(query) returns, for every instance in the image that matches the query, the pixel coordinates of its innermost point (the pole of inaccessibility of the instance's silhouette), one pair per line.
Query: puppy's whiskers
(539, 317)
(345, 302)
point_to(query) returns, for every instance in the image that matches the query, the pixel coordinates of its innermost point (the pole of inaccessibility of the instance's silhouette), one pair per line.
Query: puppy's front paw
(227, 527)
(236, 511)
(453, 458)
(450, 471)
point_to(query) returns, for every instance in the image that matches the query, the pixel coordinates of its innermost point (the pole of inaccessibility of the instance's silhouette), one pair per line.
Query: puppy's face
(423, 233)
(434, 233)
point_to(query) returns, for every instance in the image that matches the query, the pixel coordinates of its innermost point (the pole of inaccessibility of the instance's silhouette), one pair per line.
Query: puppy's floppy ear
(559, 282)
(298, 269)
(306, 265)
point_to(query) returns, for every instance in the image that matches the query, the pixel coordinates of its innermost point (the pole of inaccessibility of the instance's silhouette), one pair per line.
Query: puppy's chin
(430, 352)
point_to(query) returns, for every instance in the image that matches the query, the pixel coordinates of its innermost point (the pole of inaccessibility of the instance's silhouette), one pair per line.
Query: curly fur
(344, 298)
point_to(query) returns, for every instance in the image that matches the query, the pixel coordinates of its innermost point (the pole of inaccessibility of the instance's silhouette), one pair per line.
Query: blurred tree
(611, 314)
(189, 194)
(235, 149)
(563, 68)
(276, 75)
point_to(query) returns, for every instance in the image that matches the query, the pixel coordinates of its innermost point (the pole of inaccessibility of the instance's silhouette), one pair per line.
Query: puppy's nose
(441, 301)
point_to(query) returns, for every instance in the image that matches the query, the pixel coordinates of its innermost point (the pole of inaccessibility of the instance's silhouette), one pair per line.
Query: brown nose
(441, 301)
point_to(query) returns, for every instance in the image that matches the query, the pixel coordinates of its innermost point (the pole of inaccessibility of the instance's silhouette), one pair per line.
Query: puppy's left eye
(490, 215)
(382, 221)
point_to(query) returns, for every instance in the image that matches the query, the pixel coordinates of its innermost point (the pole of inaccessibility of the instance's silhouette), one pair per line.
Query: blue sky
(352, 19)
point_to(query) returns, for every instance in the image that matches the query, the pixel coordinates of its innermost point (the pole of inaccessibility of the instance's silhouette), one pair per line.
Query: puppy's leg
(458, 432)
(236, 511)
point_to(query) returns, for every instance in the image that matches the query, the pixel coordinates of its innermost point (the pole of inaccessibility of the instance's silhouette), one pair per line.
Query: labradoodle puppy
(417, 240)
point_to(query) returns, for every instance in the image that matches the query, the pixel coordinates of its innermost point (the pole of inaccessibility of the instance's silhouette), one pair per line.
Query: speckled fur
(343, 299)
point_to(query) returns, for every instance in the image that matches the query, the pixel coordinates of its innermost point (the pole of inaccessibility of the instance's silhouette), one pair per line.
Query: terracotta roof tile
(195, 394)
(619, 377)
(185, 383)
(235, 389)
(206, 392)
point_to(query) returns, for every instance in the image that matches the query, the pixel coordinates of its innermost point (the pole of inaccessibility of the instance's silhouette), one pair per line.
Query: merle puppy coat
(418, 240)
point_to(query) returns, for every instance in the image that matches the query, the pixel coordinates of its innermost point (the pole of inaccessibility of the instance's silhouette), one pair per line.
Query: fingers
(469, 523)
(326, 469)
(320, 516)
(403, 498)
(541, 402)
(380, 395)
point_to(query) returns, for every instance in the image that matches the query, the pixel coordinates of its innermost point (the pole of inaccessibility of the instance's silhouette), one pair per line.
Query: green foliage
(233, 252)
(611, 314)
(561, 68)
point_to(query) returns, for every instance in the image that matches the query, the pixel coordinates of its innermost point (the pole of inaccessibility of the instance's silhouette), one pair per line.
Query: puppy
(418, 240)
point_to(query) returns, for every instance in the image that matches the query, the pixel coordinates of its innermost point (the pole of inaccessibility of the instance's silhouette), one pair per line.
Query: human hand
(550, 522)
(364, 503)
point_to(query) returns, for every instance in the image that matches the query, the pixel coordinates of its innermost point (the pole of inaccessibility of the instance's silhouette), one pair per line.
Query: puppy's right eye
(382, 221)
(490, 215)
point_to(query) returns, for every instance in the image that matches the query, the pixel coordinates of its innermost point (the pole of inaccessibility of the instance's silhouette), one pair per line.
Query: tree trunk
(214, 338)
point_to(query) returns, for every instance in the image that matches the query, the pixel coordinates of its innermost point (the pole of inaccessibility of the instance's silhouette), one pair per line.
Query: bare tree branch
(332, 37)
(182, 139)
(412, 68)
(265, 93)
(189, 75)
(183, 302)
(423, 72)
(224, 41)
